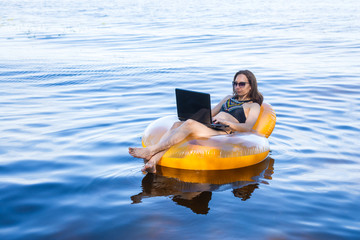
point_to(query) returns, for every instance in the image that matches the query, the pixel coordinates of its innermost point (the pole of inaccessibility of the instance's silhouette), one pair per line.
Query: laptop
(196, 106)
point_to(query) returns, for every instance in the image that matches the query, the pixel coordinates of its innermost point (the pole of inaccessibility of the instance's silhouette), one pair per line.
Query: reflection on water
(193, 189)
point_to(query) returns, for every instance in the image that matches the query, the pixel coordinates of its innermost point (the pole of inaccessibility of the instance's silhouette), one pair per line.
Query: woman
(239, 111)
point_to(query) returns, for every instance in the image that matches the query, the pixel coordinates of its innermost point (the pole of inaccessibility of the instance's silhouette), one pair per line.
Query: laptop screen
(193, 105)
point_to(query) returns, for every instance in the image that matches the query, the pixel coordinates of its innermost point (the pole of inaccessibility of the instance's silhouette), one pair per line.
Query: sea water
(81, 80)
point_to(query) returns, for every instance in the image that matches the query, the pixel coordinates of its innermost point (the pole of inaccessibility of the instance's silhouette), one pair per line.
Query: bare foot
(140, 153)
(150, 167)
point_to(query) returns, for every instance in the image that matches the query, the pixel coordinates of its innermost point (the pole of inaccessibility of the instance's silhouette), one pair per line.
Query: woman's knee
(191, 124)
(176, 125)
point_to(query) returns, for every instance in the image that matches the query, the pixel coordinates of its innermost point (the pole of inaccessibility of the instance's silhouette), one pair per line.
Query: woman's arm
(217, 108)
(250, 120)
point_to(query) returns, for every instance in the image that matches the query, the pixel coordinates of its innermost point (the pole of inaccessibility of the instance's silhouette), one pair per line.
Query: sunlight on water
(81, 80)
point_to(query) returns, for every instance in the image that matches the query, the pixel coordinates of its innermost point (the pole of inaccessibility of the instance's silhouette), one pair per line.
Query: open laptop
(196, 106)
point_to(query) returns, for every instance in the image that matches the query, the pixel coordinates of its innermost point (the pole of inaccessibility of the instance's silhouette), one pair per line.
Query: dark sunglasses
(240, 84)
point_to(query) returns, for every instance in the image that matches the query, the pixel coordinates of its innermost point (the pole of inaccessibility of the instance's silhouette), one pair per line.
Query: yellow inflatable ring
(215, 153)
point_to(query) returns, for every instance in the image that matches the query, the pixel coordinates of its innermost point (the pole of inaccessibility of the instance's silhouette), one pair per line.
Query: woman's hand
(220, 120)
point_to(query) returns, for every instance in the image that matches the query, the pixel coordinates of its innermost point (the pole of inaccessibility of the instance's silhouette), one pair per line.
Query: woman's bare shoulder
(253, 105)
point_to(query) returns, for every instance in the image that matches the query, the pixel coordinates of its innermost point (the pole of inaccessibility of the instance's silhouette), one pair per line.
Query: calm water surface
(81, 80)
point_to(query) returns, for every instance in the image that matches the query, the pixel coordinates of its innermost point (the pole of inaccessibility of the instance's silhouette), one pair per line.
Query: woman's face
(239, 87)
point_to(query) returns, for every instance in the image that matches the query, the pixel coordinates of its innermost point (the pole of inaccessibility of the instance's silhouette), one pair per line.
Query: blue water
(81, 80)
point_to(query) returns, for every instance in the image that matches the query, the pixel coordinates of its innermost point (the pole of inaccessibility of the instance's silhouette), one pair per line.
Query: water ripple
(79, 83)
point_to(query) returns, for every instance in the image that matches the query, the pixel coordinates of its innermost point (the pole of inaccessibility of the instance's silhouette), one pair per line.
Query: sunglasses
(240, 84)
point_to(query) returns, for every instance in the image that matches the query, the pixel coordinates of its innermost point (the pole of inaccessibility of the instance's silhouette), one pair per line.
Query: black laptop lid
(193, 105)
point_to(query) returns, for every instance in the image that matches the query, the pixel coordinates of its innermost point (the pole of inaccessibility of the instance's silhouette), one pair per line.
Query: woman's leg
(169, 132)
(189, 127)
(150, 166)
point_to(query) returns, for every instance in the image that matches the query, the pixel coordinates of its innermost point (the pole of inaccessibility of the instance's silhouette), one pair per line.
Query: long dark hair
(254, 93)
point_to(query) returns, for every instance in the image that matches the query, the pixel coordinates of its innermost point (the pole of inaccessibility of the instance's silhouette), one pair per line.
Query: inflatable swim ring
(220, 152)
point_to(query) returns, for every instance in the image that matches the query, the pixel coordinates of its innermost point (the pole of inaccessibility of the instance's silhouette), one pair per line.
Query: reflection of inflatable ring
(215, 153)
(240, 176)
